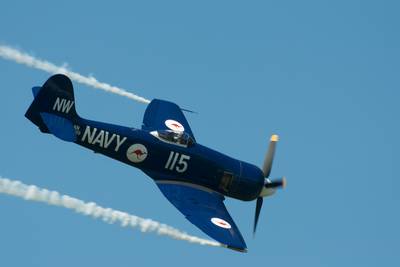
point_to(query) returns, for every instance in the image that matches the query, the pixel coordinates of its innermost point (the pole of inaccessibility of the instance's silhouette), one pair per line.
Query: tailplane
(53, 108)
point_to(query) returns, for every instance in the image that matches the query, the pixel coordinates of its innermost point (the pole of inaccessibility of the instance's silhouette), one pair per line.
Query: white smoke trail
(19, 57)
(34, 193)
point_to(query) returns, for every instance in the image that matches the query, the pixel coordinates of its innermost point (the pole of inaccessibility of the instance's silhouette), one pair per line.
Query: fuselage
(161, 160)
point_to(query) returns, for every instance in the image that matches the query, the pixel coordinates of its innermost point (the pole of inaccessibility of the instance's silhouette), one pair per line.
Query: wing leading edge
(205, 209)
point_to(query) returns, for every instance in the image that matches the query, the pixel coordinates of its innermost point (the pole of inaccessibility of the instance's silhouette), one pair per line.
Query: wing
(205, 209)
(164, 115)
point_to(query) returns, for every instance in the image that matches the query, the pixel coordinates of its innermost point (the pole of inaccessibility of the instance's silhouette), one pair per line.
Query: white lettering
(119, 142)
(99, 139)
(88, 134)
(63, 105)
(107, 141)
(57, 104)
(171, 155)
(180, 166)
(174, 161)
(102, 138)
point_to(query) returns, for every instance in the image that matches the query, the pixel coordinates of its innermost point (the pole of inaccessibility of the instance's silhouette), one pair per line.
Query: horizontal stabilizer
(35, 90)
(59, 126)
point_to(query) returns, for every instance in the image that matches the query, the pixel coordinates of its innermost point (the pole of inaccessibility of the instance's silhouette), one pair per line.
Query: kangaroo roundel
(137, 153)
(174, 125)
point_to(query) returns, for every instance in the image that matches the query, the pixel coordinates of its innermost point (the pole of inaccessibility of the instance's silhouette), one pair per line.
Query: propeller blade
(270, 186)
(269, 157)
(258, 209)
(276, 183)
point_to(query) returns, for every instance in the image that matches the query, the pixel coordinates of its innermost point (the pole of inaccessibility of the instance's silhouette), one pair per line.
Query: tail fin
(53, 107)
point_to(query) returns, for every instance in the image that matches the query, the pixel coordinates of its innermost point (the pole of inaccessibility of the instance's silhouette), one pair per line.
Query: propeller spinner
(269, 186)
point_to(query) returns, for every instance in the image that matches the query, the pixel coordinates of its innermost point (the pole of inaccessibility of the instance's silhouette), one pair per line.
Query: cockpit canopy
(172, 137)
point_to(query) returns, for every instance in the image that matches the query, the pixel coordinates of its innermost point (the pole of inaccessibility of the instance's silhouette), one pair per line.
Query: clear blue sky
(324, 75)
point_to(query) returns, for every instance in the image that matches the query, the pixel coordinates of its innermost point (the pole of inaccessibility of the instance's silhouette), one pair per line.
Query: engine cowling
(248, 183)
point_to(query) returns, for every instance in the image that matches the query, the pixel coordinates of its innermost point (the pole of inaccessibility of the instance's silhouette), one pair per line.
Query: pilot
(177, 137)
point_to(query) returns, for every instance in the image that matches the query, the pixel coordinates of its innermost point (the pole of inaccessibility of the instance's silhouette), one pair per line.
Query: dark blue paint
(205, 168)
(200, 205)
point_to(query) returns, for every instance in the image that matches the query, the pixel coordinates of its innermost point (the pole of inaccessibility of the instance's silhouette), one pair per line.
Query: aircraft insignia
(174, 125)
(137, 153)
(221, 223)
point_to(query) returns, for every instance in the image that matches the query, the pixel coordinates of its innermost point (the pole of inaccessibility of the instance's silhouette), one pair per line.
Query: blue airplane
(194, 178)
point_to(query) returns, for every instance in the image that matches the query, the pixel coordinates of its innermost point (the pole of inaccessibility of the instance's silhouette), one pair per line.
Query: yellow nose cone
(274, 138)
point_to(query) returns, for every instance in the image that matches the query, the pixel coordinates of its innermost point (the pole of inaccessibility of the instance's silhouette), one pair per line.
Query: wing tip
(243, 250)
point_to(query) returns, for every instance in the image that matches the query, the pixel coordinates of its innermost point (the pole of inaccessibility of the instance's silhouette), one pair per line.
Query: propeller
(269, 157)
(269, 186)
(258, 209)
